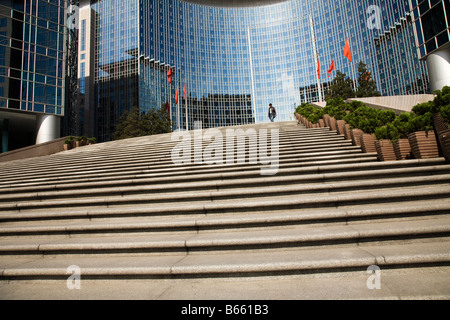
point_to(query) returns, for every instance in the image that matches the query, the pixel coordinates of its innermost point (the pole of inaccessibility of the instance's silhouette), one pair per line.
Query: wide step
(124, 211)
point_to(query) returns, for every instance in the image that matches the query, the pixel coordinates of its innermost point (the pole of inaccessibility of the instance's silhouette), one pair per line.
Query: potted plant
(442, 127)
(332, 123)
(326, 118)
(347, 131)
(368, 143)
(383, 144)
(424, 144)
(340, 126)
(80, 141)
(385, 150)
(92, 140)
(423, 139)
(399, 138)
(402, 149)
(68, 143)
(441, 119)
(356, 136)
(444, 139)
(310, 115)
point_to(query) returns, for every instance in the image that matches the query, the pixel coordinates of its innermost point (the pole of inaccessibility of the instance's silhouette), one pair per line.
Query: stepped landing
(134, 225)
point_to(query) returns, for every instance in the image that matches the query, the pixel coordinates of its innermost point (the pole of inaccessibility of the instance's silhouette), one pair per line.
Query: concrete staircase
(124, 212)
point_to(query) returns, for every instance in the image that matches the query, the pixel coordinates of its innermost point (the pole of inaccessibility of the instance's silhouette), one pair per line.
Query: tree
(367, 87)
(341, 87)
(134, 123)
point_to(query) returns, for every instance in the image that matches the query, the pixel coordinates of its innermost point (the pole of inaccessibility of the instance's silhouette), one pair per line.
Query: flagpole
(322, 95)
(178, 115)
(169, 78)
(352, 68)
(353, 75)
(319, 87)
(185, 99)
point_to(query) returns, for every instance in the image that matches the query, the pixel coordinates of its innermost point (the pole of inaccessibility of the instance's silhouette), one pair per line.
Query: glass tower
(399, 69)
(235, 60)
(31, 70)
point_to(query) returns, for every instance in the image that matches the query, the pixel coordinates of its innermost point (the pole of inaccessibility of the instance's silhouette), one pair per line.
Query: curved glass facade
(234, 61)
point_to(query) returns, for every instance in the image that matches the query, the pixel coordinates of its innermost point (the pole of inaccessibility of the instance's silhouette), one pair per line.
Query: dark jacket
(273, 111)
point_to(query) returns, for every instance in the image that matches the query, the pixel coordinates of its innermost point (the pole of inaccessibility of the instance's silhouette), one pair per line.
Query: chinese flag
(331, 68)
(347, 51)
(318, 69)
(185, 95)
(169, 75)
(176, 96)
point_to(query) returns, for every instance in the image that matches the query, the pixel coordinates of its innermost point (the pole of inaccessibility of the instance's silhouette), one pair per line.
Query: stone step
(131, 172)
(234, 189)
(407, 210)
(216, 179)
(168, 165)
(150, 158)
(297, 236)
(231, 264)
(139, 207)
(124, 210)
(280, 293)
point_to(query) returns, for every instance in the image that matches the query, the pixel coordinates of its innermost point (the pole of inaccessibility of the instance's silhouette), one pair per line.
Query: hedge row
(385, 124)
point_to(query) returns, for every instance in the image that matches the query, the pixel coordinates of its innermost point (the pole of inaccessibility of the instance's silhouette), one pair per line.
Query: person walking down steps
(272, 113)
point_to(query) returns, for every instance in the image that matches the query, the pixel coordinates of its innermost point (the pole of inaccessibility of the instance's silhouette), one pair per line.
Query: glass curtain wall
(233, 61)
(116, 62)
(32, 55)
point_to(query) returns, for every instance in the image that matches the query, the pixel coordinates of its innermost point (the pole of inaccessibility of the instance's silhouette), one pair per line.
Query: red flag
(318, 69)
(185, 95)
(167, 107)
(331, 68)
(169, 75)
(176, 96)
(347, 51)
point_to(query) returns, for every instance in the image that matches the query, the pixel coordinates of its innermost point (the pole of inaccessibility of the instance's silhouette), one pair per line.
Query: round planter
(385, 150)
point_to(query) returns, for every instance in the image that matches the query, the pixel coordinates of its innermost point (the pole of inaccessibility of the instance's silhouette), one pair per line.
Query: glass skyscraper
(32, 55)
(236, 59)
(399, 70)
(233, 57)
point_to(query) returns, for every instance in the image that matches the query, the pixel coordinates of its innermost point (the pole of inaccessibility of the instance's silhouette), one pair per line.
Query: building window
(83, 35)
